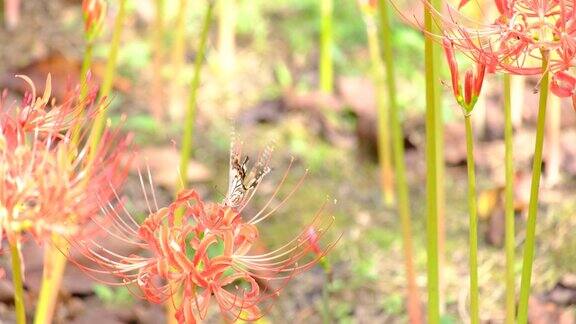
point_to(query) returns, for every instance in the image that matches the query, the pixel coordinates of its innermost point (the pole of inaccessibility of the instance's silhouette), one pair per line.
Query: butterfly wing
(241, 185)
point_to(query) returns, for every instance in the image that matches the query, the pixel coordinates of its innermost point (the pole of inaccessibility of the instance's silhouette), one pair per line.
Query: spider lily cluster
(517, 39)
(525, 37)
(48, 185)
(52, 183)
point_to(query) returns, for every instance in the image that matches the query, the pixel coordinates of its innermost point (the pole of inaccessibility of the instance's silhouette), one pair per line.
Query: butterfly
(243, 184)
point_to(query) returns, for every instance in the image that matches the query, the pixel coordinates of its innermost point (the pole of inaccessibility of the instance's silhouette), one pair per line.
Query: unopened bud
(453, 65)
(93, 12)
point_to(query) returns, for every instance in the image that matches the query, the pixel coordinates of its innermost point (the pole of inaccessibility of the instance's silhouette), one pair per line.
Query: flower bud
(93, 12)
(468, 82)
(449, 52)
(472, 81)
(480, 71)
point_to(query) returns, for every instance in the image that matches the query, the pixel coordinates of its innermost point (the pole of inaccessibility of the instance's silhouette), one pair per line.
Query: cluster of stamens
(205, 250)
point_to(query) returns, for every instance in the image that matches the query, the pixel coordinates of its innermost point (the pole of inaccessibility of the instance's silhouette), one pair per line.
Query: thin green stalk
(509, 204)
(156, 104)
(53, 271)
(529, 244)
(432, 184)
(440, 165)
(473, 226)
(328, 276)
(326, 318)
(109, 75)
(326, 40)
(18, 284)
(188, 134)
(403, 201)
(86, 64)
(178, 58)
(383, 118)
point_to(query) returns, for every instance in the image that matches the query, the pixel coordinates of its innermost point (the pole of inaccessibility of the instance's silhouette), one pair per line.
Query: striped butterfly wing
(241, 184)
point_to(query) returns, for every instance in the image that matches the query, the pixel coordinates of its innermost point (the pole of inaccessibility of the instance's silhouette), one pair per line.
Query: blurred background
(260, 78)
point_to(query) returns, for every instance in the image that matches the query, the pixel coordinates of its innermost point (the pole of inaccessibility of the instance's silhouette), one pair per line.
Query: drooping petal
(563, 84)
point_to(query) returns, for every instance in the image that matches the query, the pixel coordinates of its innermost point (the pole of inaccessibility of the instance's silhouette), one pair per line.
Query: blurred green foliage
(393, 304)
(113, 296)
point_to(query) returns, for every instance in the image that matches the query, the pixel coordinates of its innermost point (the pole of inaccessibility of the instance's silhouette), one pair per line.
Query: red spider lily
(514, 41)
(45, 191)
(41, 115)
(472, 81)
(47, 183)
(208, 252)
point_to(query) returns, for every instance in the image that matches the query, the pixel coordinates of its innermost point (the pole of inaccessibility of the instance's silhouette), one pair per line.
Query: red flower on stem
(513, 42)
(43, 116)
(207, 249)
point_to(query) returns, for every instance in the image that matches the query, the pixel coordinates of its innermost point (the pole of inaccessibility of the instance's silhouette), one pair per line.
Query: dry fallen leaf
(65, 72)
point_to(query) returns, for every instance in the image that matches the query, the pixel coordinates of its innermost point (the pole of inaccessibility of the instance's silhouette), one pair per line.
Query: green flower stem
(188, 134)
(403, 201)
(53, 271)
(473, 226)
(328, 278)
(432, 158)
(529, 244)
(384, 154)
(440, 165)
(326, 318)
(86, 64)
(18, 284)
(157, 91)
(108, 80)
(509, 241)
(326, 40)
